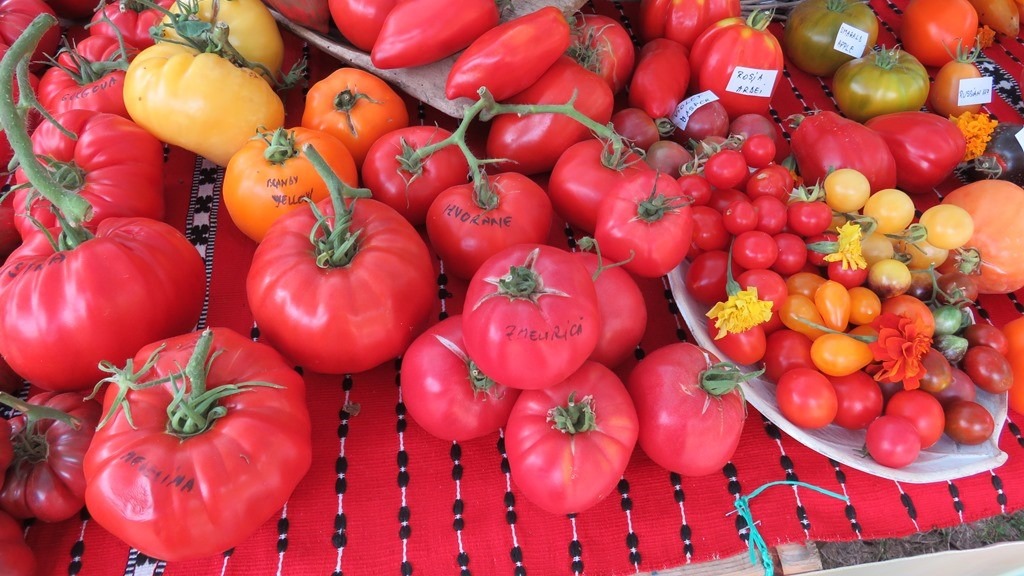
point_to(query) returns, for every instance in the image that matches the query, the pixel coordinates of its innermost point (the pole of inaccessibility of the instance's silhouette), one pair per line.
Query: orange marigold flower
(899, 349)
(986, 36)
(977, 130)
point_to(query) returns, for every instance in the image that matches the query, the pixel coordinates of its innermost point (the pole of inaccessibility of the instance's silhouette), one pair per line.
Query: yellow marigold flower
(986, 36)
(741, 312)
(848, 251)
(977, 130)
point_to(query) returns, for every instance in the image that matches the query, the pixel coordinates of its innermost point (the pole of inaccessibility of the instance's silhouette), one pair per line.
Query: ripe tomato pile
(816, 270)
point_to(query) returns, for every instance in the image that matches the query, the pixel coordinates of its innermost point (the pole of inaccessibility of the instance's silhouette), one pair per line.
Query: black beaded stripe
(849, 510)
(632, 540)
(1003, 83)
(78, 548)
(516, 553)
(404, 515)
(442, 292)
(789, 468)
(282, 534)
(625, 21)
(681, 328)
(575, 548)
(459, 523)
(201, 218)
(796, 91)
(958, 505)
(339, 539)
(1016, 302)
(908, 505)
(685, 532)
(732, 475)
(997, 483)
(1015, 430)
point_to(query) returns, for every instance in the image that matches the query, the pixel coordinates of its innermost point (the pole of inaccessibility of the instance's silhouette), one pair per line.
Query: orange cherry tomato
(839, 354)
(832, 300)
(1014, 332)
(797, 307)
(944, 95)
(906, 305)
(865, 306)
(805, 283)
(355, 107)
(271, 175)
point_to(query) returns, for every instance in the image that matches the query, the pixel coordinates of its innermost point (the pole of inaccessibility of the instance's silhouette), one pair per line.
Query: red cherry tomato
(739, 217)
(772, 180)
(792, 254)
(708, 230)
(806, 398)
(771, 214)
(786, 350)
(754, 249)
(860, 400)
(893, 441)
(726, 169)
(922, 410)
(758, 150)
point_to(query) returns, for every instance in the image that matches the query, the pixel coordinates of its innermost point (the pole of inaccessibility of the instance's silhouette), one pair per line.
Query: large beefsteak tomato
(997, 209)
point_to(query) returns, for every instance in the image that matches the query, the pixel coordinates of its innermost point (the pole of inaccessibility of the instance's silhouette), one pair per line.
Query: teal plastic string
(755, 541)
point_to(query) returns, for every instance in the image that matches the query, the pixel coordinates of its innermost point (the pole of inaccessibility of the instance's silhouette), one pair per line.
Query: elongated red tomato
(690, 423)
(445, 391)
(509, 58)
(235, 397)
(532, 143)
(660, 78)
(531, 301)
(114, 164)
(569, 444)
(466, 225)
(414, 32)
(682, 21)
(360, 21)
(89, 76)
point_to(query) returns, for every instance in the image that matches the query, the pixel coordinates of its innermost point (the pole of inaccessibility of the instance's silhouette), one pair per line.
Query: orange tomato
(944, 95)
(1002, 16)
(931, 29)
(839, 354)
(907, 305)
(355, 107)
(997, 209)
(1014, 332)
(833, 303)
(805, 283)
(263, 182)
(798, 307)
(865, 306)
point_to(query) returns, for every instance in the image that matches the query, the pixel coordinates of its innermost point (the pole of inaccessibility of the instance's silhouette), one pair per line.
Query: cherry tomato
(989, 369)
(739, 217)
(859, 400)
(745, 347)
(839, 354)
(816, 257)
(865, 305)
(893, 441)
(758, 150)
(809, 218)
(772, 180)
(832, 300)
(806, 398)
(960, 387)
(754, 249)
(667, 156)
(949, 226)
(849, 277)
(795, 310)
(911, 307)
(705, 278)
(889, 278)
(771, 214)
(948, 320)
(938, 372)
(770, 286)
(784, 351)
(922, 254)
(792, 254)
(635, 125)
(984, 334)
(708, 231)
(696, 187)
(726, 169)
(805, 283)
(957, 287)
(892, 209)
(875, 247)
(846, 190)
(969, 423)
(923, 411)
(722, 198)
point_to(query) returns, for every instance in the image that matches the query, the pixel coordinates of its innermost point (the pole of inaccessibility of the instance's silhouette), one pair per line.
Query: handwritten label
(752, 81)
(456, 212)
(290, 199)
(570, 330)
(974, 91)
(681, 117)
(282, 182)
(1020, 138)
(95, 88)
(165, 478)
(850, 40)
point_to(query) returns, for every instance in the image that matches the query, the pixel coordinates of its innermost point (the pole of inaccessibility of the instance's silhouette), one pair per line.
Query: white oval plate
(946, 460)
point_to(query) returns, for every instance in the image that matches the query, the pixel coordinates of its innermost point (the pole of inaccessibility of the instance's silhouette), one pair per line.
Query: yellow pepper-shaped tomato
(252, 29)
(839, 354)
(199, 101)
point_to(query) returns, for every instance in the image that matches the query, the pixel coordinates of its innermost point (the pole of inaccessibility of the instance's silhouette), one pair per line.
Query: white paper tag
(687, 107)
(850, 40)
(752, 81)
(974, 91)
(1020, 138)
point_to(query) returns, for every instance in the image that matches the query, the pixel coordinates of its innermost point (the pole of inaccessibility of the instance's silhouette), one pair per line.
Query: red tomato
(984, 334)
(532, 143)
(772, 180)
(772, 215)
(131, 20)
(603, 46)
(38, 287)
(688, 423)
(792, 254)
(931, 30)
(52, 488)
(786, 350)
(73, 84)
(859, 400)
(747, 347)
(682, 21)
(175, 452)
(16, 15)
(645, 223)
(16, 557)
(926, 147)
(536, 302)
(893, 441)
(569, 443)
(709, 120)
(754, 249)
(635, 125)
(584, 176)
(988, 369)
(922, 410)
(360, 21)
(759, 150)
(726, 169)
(410, 189)
(467, 226)
(696, 187)
(826, 140)
(806, 398)
(444, 390)
(383, 286)
(739, 217)
(969, 423)
(809, 218)
(705, 278)
(960, 387)
(668, 157)
(623, 311)
(708, 230)
(407, 39)
(848, 277)
(126, 179)
(724, 47)
(660, 78)
(770, 286)
(510, 57)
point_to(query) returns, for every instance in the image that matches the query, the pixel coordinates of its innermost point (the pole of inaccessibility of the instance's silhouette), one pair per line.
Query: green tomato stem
(334, 245)
(575, 417)
(724, 377)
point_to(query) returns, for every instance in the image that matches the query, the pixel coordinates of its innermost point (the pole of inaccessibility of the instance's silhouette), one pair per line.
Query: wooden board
(423, 82)
(789, 559)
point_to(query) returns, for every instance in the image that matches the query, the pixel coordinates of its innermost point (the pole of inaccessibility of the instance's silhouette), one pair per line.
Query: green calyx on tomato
(760, 19)
(346, 100)
(85, 71)
(522, 282)
(722, 378)
(655, 206)
(193, 409)
(575, 417)
(72, 209)
(280, 145)
(30, 446)
(481, 383)
(335, 245)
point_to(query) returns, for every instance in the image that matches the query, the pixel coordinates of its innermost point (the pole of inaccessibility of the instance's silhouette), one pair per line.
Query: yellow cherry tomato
(875, 247)
(892, 209)
(846, 190)
(949, 226)
(833, 303)
(865, 305)
(921, 254)
(889, 278)
(839, 354)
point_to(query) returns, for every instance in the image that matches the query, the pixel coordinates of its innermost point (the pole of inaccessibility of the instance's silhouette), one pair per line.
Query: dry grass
(979, 534)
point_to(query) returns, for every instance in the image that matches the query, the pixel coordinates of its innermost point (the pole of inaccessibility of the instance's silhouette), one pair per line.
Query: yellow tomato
(875, 247)
(892, 209)
(949, 226)
(846, 190)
